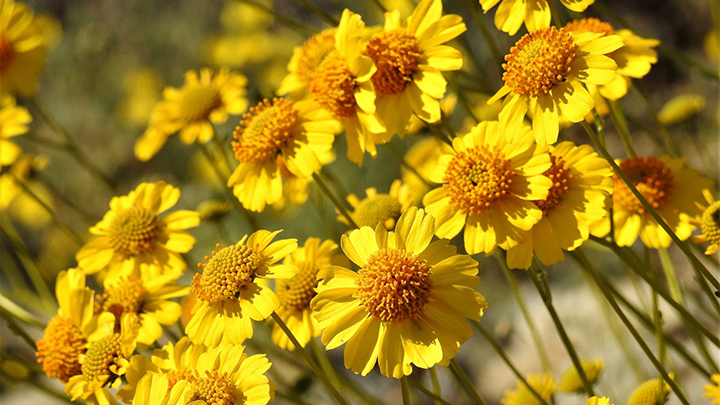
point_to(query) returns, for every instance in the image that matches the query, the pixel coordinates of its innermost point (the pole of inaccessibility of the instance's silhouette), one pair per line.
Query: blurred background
(112, 60)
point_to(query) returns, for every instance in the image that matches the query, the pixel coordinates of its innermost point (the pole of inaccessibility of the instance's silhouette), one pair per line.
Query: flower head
(570, 380)
(651, 392)
(712, 391)
(378, 208)
(680, 108)
(305, 60)
(542, 384)
(709, 223)
(14, 121)
(599, 401)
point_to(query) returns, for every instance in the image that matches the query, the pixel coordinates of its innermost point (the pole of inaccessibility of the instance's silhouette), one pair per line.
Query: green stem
(428, 393)
(621, 126)
(487, 36)
(324, 361)
(395, 152)
(380, 6)
(334, 200)
(315, 368)
(19, 313)
(435, 383)
(405, 390)
(330, 20)
(466, 384)
(17, 329)
(670, 145)
(555, 13)
(286, 21)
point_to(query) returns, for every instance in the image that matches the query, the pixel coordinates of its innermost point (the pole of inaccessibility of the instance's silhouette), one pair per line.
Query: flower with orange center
(275, 136)
(670, 188)
(511, 14)
(132, 233)
(305, 61)
(342, 85)
(634, 59)
(489, 184)
(709, 223)
(409, 58)
(545, 72)
(14, 121)
(229, 295)
(581, 183)
(205, 99)
(379, 208)
(407, 304)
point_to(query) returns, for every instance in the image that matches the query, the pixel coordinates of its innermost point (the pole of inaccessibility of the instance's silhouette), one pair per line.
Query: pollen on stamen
(396, 56)
(128, 295)
(225, 273)
(333, 86)
(561, 177)
(312, 53)
(297, 292)
(590, 25)
(710, 223)
(133, 231)
(264, 131)
(60, 348)
(198, 102)
(652, 178)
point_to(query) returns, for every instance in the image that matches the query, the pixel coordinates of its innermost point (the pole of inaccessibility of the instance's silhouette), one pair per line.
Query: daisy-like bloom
(709, 223)
(489, 183)
(105, 362)
(712, 391)
(278, 135)
(342, 84)
(296, 293)
(147, 295)
(423, 157)
(305, 61)
(378, 208)
(545, 72)
(543, 385)
(570, 380)
(132, 233)
(66, 335)
(221, 376)
(14, 121)
(204, 99)
(407, 304)
(409, 58)
(649, 392)
(680, 108)
(511, 14)
(669, 187)
(581, 182)
(229, 296)
(599, 401)
(634, 59)
(23, 47)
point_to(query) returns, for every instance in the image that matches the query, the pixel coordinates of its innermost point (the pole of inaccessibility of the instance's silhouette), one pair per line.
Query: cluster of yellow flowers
(403, 290)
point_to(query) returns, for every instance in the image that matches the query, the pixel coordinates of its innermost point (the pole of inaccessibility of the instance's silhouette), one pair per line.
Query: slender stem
(435, 383)
(670, 145)
(446, 123)
(330, 20)
(599, 127)
(334, 200)
(547, 299)
(18, 312)
(465, 382)
(657, 322)
(286, 21)
(70, 204)
(405, 390)
(304, 354)
(324, 362)
(15, 327)
(555, 13)
(441, 135)
(435, 397)
(395, 152)
(486, 33)
(621, 126)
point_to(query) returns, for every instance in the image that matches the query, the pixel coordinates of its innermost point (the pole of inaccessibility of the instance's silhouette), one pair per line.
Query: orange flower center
(175, 376)
(264, 131)
(128, 295)
(7, 53)
(60, 348)
(710, 223)
(538, 61)
(394, 285)
(226, 273)
(476, 179)
(379, 209)
(312, 54)
(101, 355)
(333, 86)
(215, 389)
(650, 176)
(297, 292)
(133, 230)
(590, 25)
(198, 101)
(396, 56)
(560, 176)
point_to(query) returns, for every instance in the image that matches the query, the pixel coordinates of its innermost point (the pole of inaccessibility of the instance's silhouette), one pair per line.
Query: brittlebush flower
(278, 135)
(712, 391)
(23, 47)
(545, 72)
(634, 59)
(132, 233)
(680, 108)
(542, 384)
(581, 183)
(409, 58)
(651, 392)
(422, 156)
(378, 208)
(489, 183)
(406, 305)
(296, 293)
(709, 223)
(229, 295)
(570, 380)
(511, 14)
(342, 84)
(14, 121)
(203, 100)
(305, 61)
(599, 401)
(669, 187)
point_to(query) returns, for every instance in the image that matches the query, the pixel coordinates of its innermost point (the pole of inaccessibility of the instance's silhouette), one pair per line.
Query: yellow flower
(409, 58)
(543, 385)
(598, 401)
(229, 296)
(680, 108)
(570, 380)
(511, 14)
(713, 391)
(709, 223)
(407, 304)
(669, 187)
(214, 210)
(545, 72)
(447, 106)
(191, 111)
(492, 170)
(19, 204)
(581, 183)
(132, 233)
(305, 60)
(294, 133)
(105, 362)
(142, 89)
(23, 46)
(147, 295)
(14, 121)
(342, 84)
(634, 59)
(295, 294)
(423, 157)
(651, 392)
(377, 208)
